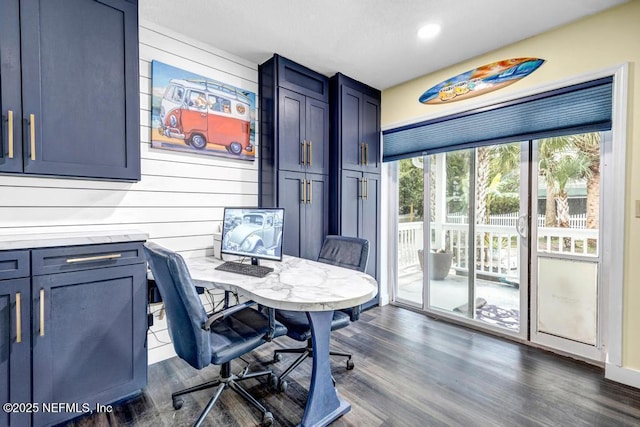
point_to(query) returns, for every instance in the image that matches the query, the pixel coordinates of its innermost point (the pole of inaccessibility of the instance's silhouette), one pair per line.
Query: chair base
(231, 381)
(304, 353)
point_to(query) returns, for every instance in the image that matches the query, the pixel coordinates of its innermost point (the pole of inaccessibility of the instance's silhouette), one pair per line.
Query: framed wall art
(197, 114)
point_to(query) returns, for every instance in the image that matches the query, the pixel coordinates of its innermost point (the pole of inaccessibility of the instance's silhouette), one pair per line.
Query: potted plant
(440, 262)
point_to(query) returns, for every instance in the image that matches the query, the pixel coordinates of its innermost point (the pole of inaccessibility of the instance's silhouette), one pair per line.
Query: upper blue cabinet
(69, 88)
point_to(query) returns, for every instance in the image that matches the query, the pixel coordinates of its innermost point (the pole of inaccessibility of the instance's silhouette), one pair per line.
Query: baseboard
(627, 376)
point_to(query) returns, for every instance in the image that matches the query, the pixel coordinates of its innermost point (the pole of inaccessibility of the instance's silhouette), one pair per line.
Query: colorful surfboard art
(481, 80)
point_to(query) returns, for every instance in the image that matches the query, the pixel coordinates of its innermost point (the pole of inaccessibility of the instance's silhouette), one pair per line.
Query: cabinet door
(317, 136)
(10, 130)
(290, 192)
(89, 337)
(371, 133)
(370, 220)
(15, 348)
(352, 149)
(80, 96)
(351, 203)
(291, 131)
(316, 216)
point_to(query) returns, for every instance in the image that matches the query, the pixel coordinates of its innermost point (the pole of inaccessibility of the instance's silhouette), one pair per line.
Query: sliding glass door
(466, 252)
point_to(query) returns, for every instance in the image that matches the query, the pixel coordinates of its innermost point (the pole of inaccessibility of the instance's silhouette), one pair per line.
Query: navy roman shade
(585, 107)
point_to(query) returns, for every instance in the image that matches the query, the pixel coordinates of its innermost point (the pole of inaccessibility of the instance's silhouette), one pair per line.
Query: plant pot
(440, 263)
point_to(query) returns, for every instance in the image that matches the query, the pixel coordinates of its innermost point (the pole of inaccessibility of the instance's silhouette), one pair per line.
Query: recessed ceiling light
(429, 31)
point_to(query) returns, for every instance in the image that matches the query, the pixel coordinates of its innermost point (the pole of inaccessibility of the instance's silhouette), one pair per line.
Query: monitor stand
(255, 261)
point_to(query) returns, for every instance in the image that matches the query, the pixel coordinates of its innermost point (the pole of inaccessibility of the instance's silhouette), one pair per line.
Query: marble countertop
(295, 284)
(48, 240)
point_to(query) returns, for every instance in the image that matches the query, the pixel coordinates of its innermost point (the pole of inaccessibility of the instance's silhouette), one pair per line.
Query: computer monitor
(253, 232)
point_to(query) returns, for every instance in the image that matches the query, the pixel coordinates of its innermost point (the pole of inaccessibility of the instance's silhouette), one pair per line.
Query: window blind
(585, 107)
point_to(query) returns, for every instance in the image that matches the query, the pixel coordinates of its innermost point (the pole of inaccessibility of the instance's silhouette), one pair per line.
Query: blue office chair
(348, 252)
(202, 340)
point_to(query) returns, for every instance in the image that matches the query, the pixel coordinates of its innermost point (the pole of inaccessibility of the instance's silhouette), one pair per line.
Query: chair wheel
(282, 386)
(177, 403)
(267, 419)
(350, 364)
(272, 382)
(277, 357)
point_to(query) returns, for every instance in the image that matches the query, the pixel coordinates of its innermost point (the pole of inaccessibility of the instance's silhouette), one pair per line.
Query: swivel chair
(348, 252)
(201, 340)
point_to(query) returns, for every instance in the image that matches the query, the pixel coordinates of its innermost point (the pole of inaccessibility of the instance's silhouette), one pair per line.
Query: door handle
(32, 132)
(10, 132)
(521, 226)
(310, 151)
(304, 152)
(366, 187)
(41, 312)
(366, 154)
(304, 190)
(361, 192)
(361, 160)
(310, 191)
(18, 319)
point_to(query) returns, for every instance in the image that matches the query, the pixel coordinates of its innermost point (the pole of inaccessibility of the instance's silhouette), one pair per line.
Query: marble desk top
(49, 240)
(295, 284)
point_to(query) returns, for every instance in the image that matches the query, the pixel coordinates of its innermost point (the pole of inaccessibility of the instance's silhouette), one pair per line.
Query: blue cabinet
(83, 312)
(15, 339)
(69, 88)
(294, 152)
(355, 166)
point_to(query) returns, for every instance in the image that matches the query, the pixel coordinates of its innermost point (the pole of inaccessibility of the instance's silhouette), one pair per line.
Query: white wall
(180, 198)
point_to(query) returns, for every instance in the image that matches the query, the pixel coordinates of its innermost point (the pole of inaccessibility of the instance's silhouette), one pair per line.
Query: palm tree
(589, 146)
(548, 151)
(570, 166)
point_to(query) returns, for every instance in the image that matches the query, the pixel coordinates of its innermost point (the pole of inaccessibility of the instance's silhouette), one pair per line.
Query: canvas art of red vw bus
(204, 112)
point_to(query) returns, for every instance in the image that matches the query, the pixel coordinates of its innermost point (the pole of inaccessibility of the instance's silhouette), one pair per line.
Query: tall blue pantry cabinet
(320, 157)
(356, 166)
(294, 152)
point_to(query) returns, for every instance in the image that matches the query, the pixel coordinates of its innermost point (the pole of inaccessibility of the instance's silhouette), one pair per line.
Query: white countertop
(48, 240)
(295, 284)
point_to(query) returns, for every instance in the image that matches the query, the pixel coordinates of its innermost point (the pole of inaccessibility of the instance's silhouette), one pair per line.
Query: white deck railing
(497, 246)
(510, 219)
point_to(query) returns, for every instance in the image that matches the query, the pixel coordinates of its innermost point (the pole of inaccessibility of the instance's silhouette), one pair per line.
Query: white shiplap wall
(180, 198)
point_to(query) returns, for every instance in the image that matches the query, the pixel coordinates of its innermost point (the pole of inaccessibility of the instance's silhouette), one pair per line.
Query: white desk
(301, 285)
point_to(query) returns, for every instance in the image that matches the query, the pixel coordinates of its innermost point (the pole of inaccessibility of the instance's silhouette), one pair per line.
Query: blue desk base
(323, 403)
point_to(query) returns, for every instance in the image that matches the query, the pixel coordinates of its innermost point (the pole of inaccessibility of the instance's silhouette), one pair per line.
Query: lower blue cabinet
(83, 331)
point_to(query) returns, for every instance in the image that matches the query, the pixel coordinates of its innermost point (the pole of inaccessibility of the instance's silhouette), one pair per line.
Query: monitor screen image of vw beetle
(253, 232)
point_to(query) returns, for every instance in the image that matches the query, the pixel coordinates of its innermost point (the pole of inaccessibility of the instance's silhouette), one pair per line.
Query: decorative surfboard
(481, 80)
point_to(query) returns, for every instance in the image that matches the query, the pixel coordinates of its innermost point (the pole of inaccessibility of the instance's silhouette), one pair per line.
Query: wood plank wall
(180, 198)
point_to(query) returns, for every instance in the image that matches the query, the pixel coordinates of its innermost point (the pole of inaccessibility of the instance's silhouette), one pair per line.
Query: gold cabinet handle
(304, 152)
(310, 152)
(310, 191)
(361, 192)
(41, 312)
(366, 187)
(361, 159)
(32, 132)
(304, 191)
(366, 154)
(18, 319)
(10, 132)
(93, 258)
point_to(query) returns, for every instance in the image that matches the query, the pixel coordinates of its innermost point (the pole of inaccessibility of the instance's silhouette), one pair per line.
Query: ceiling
(373, 41)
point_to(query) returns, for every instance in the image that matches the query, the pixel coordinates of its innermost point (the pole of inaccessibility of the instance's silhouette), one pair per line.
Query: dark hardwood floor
(410, 370)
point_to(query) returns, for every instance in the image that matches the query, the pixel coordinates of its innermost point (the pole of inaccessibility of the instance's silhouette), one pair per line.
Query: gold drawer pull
(93, 258)
(361, 160)
(366, 154)
(304, 152)
(310, 151)
(10, 133)
(32, 129)
(18, 319)
(41, 312)
(310, 191)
